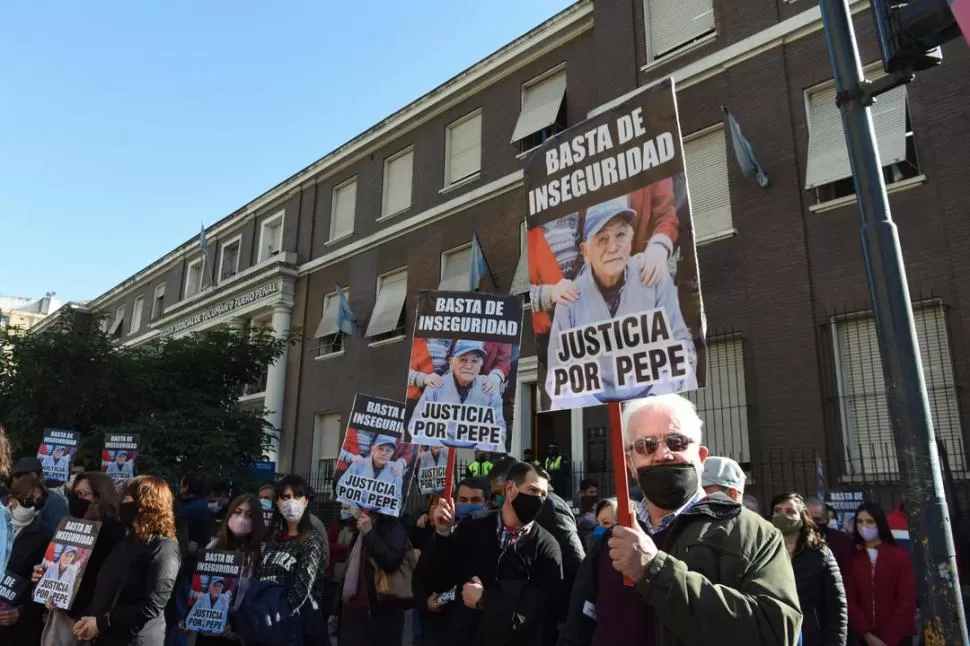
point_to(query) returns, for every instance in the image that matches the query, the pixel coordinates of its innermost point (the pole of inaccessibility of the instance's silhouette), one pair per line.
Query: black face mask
(77, 506)
(127, 513)
(526, 507)
(668, 486)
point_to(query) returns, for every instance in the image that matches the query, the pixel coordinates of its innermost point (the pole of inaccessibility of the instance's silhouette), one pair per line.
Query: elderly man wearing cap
(379, 466)
(609, 288)
(463, 383)
(121, 466)
(65, 571)
(724, 475)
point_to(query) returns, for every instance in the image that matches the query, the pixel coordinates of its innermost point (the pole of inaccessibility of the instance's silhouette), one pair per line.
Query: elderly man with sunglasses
(704, 569)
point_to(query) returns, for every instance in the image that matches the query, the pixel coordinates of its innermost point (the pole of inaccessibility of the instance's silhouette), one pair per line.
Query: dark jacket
(842, 548)
(28, 550)
(111, 533)
(722, 576)
(132, 589)
(55, 509)
(523, 580)
(821, 596)
(557, 518)
(384, 545)
(882, 602)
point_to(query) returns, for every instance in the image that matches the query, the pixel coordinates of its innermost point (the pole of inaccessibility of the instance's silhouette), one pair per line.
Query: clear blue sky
(123, 125)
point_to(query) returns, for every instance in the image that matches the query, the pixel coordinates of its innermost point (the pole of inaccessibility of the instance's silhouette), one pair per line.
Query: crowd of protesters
(506, 561)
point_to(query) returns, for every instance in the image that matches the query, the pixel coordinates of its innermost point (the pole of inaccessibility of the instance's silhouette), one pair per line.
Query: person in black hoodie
(22, 624)
(135, 582)
(507, 570)
(93, 497)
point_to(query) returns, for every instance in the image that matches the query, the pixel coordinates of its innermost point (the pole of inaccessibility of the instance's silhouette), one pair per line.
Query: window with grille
(866, 429)
(327, 435)
(723, 403)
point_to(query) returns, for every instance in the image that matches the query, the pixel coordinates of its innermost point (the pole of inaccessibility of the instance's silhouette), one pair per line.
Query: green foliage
(180, 395)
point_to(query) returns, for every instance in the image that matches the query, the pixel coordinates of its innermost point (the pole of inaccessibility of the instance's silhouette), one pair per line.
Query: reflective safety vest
(477, 468)
(553, 464)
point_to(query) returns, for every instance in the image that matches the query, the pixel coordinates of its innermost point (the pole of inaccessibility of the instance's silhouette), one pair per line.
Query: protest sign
(118, 457)
(432, 467)
(464, 399)
(11, 587)
(374, 460)
(845, 503)
(214, 585)
(614, 285)
(56, 452)
(65, 561)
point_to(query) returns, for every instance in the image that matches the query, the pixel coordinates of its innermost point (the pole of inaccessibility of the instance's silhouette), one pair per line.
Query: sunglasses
(649, 445)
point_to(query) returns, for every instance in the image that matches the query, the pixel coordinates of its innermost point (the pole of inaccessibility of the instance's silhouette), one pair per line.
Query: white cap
(723, 472)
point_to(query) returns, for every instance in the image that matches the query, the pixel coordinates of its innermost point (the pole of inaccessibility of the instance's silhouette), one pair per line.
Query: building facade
(793, 364)
(25, 312)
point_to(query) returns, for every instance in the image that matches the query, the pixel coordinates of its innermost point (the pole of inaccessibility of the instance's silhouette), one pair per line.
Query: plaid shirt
(508, 537)
(643, 514)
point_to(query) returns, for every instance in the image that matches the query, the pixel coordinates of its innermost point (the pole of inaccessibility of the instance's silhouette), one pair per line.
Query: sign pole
(622, 483)
(450, 474)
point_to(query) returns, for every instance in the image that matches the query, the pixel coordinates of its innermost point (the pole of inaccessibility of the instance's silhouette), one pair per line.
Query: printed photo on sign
(432, 465)
(118, 457)
(56, 452)
(11, 589)
(373, 467)
(464, 365)
(214, 586)
(614, 283)
(65, 560)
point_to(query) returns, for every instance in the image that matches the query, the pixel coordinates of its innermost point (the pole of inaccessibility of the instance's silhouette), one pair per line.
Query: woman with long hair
(296, 557)
(136, 580)
(93, 497)
(22, 623)
(880, 587)
(242, 532)
(820, 590)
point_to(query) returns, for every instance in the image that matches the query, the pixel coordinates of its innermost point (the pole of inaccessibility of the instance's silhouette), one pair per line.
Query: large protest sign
(56, 452)
(432, 468)
(375, 461)
(614, 285)
(464, 361)
(845, 503)
(65, 560)
(11, 587)
(214, 585)
(118, 457)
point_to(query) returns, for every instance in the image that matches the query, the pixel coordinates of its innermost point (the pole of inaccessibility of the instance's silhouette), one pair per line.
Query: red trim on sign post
(450, 474)
(622, 483)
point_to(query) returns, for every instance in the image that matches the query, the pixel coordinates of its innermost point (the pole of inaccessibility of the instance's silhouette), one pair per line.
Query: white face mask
(24, 515)
(292, 510)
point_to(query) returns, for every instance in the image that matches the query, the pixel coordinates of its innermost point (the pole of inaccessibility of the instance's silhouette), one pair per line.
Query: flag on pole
(742, 151)
(819, 478)
(479, 265)
(346, 321)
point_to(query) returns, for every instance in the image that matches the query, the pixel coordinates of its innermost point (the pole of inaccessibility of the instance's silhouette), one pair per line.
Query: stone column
(276, 377)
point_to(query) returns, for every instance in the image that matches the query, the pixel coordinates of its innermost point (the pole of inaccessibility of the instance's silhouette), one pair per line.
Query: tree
(179, 395)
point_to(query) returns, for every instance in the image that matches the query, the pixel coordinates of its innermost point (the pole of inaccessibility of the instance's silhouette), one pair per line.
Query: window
(463, 148)
(328, 333)
(520, 280)
(723, 402)
(4, 321)
(827, 170)
(387, 319)
(456, 268)
(327, 436)
(866, 429)
(136, 315)
(398, 178)
(343, 209)
(543, 110)
(271, 237)
(193, 278)
(158, 301)
(229, 258)
(672, 25)
(705, 162)
(115, 331)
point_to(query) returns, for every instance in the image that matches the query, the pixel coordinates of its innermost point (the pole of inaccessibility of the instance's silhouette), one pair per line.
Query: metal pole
(929, 523)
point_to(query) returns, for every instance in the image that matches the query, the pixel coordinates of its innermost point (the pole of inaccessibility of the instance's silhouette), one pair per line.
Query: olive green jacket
(723, 576)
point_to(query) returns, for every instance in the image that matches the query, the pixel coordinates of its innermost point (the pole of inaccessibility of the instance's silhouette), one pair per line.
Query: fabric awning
(540, 106)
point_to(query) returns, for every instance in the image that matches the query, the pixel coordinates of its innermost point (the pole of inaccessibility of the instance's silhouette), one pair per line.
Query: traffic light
(910, 33)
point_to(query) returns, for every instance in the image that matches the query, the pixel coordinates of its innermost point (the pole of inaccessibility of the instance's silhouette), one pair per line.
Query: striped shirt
(507, 537)
(643, 514)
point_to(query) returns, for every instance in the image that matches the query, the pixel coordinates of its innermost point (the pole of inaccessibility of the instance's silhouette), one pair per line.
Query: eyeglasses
(649, 445)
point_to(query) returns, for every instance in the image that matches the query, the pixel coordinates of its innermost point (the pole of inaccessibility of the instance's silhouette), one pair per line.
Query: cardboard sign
(11, 587)
(65, 561)
(215, 583)
(614, 285)
(56, 453)
(118, 457)
(431, 469)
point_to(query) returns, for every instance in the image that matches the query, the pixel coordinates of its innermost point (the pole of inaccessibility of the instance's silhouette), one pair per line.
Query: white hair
(684, 415)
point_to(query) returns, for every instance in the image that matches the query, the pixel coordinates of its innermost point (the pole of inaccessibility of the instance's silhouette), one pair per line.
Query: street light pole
(929, 521)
